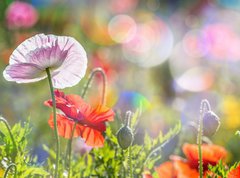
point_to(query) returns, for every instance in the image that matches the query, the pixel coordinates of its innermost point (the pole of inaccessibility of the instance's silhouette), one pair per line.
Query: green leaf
(34, 171)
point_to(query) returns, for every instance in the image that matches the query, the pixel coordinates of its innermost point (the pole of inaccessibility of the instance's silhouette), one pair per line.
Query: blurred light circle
(190, 73)
(122, 6)
(196, 79)
(233, 4)
(151, 45)
(122, 28)
(95, 27)
(131, 100)
(192, 44)
(223, 42)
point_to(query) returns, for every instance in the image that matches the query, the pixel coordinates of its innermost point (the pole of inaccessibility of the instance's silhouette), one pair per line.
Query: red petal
(92, 137)
(184, 170)
(65, 126)
(211, 154)
(100, 114)
(166, 170)
(235, 173)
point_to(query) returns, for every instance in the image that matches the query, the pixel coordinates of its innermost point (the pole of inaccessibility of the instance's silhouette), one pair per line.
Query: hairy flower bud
(211, 123)
(125, 137)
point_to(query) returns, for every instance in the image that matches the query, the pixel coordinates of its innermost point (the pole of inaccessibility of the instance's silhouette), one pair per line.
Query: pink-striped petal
(23, 73)
(64, 56)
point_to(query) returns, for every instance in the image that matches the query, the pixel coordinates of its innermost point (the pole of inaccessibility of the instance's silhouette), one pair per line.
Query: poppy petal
(92, 137)
(166, 170)
(234, 173)
(211, 154)
(184, 170)
(23, 73)
(65, 126)
(100, 114)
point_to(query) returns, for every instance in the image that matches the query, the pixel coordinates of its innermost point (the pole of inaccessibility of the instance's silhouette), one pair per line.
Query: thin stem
(86, 87)
(123, 168)
(104, 78)
(10, 132)
(55, 122)
(204, 107)
(8, 169)
(128, 117)
(70, 151)
(130, 161)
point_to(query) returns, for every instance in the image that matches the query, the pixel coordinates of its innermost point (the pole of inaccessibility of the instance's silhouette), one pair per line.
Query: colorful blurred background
(163, 56)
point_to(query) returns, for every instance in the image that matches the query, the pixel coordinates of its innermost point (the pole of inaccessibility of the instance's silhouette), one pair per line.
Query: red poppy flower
(166, 170)
(235, 173)
(184, 170)
(90, 121)
(211, 154)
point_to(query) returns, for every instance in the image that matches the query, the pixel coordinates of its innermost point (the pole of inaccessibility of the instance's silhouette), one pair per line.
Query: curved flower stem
(55, 122)
(8, 169)
(10, 132)
(128, 123)
(204, 107)
(104, 78)
(70, 150)
(86, 87)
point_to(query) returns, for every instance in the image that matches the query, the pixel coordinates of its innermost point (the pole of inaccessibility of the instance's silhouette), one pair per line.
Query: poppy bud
(125, 137)
(211, 123)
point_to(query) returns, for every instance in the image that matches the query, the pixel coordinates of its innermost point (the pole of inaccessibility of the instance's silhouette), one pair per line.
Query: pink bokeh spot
(63, 55)
(21, 15)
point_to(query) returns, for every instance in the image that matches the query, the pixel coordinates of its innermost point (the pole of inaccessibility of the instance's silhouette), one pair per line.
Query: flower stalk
(55, 122)
(86, 87)
(204, 107)
(9, 168)
(10, 133)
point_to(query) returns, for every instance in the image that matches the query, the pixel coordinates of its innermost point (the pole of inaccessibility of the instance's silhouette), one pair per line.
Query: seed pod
(125, 137)
(211, 123)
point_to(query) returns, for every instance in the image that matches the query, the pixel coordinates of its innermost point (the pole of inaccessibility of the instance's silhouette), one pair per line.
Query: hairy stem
(204, 107)
(55, 122)
(128, 122)
(9, 131)
(86, 87)
(104, 78)
(8, 169)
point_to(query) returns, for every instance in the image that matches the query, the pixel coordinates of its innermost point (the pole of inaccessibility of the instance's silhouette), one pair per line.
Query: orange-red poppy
(188, 168)
(235, 173)
(166, 170)
(90, 121)
(211, 154)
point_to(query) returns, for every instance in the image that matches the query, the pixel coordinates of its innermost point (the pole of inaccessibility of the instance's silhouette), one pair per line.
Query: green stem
(205, 106)
(55, 122)
(10, 132)
(92, 74)
(122, 159)
(70, 151)
(86, 87)
(130, 161)
(128, 122)
(8, 169)
(199, 147)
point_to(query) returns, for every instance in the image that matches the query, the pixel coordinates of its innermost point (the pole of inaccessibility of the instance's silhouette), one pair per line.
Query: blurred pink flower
(21, 15)
(65, 57)
(81, 147)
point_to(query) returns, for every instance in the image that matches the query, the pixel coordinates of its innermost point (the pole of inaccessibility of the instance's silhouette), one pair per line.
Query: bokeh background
(163, 56)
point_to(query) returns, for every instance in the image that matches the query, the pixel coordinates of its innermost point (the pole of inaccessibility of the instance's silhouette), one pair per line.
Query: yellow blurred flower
(231, 112)
(1, 172)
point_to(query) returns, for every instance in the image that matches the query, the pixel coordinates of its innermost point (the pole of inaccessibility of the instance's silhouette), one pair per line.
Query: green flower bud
(211, 123)
(125, 137)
